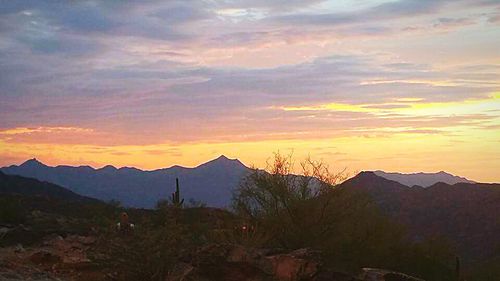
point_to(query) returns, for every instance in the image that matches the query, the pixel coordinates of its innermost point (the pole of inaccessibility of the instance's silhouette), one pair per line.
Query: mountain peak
(108, 168)
(367, 174)
(33, 162)
(222, 161)
(222, 157)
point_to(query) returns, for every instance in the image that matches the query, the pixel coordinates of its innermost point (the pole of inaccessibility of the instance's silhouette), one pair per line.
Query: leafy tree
(294, 209)
(309, 210)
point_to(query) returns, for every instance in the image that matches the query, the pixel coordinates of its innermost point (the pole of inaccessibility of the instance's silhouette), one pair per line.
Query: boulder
(44, 257)
(376, 274)
(181, 272)
(301, 264)
(331, 275)
(239, 254)
(84, 240)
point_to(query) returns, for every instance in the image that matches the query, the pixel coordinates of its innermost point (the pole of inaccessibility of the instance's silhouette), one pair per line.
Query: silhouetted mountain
(422, 179)
(212, 182)
(467, 214)
(18, 185)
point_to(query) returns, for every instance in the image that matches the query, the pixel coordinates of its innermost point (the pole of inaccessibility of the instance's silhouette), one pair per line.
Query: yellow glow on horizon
(474, 156)
(467, 149)
(409, 106)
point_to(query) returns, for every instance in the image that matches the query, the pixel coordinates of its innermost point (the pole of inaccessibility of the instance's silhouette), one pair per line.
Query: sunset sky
(408, 85)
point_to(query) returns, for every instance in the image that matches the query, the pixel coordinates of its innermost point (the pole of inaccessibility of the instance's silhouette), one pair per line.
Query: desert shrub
(193, 203)
(240, 234)
(161, 239)
(149, 253)
(485, 270)
(307, 210)
(11, 211)
(293, 210)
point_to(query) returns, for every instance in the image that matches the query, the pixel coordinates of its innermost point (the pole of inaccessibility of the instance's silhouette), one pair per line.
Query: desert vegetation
(276, 213)
(346, 226)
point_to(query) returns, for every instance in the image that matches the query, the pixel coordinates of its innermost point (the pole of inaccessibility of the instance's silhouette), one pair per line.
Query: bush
(149, 253)
(11, 211)
(307, 210)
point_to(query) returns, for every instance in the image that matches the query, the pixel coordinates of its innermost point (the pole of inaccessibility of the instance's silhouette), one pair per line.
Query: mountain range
(423, 179)
(466, 214)
(212, 183)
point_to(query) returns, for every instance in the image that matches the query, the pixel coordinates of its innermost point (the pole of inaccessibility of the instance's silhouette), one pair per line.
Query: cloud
(447, 23)
(61, 19)
(385, 11)
(201, 103)
(494, 19)
(285, 5)
(122, 68)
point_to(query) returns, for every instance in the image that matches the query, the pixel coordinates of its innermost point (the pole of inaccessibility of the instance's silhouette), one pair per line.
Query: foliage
(307, 210)
(149, 253)
(115, 203)
(162, 204)
(11, 211)
(293, 210)
(192, 203)
(487, 269)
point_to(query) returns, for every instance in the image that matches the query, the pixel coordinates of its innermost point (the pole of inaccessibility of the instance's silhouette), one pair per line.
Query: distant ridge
(212, 182)
(423, 179)
(17, 185)
(465, 213)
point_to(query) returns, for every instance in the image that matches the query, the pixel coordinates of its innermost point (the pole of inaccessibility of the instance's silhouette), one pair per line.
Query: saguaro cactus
(176, 196)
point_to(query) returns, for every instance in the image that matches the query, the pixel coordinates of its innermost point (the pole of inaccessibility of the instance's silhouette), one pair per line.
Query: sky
(401, 85)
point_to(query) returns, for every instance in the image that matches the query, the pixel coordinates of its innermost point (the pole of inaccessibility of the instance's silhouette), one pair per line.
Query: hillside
(37, 212)
(211, 182)
(18, 185)
(50, 233)
(466, 214)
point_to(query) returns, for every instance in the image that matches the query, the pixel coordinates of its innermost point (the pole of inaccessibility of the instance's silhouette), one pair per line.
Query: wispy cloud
(120, 73)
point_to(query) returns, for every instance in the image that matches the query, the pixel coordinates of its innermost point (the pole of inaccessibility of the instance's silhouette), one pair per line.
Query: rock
(19, 248)
(87, 240)
(238, 254)
(44, 257)
(375, 274)
(210, 255)
(297, 265)
(228, 262)
(52, 239)
(246, 262)
(330, 275)
(181, 272)
(4, 230)
(84, 240)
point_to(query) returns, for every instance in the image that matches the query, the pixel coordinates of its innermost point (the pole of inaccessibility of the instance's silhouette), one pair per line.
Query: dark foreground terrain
(49, 233)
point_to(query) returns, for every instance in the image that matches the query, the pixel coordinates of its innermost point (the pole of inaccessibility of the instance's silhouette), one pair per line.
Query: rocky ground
(67, 258)
(56, 258)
